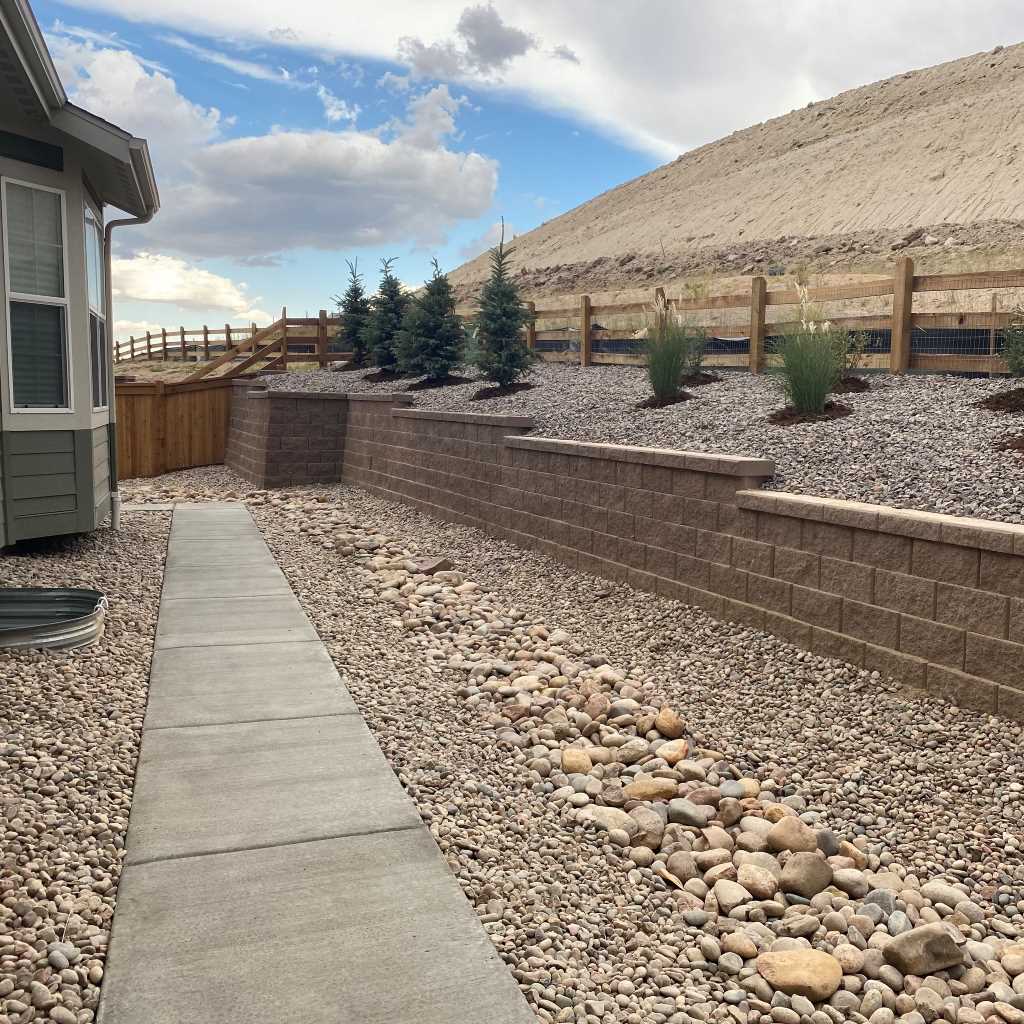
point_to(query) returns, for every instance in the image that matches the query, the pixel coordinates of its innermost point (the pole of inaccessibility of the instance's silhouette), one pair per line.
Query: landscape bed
(70, 724)
(587, 919)
(914, 441)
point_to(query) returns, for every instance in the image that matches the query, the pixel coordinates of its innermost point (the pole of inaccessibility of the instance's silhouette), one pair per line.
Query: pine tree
(502, 354)
(354, 308)
(430, 341)
(387, 308)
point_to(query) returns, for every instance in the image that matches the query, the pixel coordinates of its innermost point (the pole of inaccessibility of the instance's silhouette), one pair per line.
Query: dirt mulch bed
(789, 416)
(664, 403)
(695, 380)
(1010, 444)
(429, 385)
(851, 384)
(500, 392)
(1006, 401)
(384, 376)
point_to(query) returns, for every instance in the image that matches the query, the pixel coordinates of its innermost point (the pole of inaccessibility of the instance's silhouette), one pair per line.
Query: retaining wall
(933, 600)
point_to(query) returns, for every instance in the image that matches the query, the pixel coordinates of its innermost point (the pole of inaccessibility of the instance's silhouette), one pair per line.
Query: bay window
(94, 270)
(36, 271)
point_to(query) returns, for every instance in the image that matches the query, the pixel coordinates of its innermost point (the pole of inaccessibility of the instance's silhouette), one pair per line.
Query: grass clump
(675, 352)
(813, 357)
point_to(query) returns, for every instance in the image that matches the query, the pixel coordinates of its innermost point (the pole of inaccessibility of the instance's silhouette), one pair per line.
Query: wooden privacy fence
(307, 340)
(162, 427)
(899, 339)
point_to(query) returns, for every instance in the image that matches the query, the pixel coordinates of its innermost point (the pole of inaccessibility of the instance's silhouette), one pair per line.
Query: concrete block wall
(933, 600)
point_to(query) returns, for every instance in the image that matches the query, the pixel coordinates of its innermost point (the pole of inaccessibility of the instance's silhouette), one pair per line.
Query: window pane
(35, 245)
(94, 261)
(38, 356)
(98, 344)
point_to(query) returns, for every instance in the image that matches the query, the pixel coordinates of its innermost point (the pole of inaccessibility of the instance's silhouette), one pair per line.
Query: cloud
(430, 118)
(246, 68)
(563, 52)
(485, 46)
(151, 277)
(335, 108)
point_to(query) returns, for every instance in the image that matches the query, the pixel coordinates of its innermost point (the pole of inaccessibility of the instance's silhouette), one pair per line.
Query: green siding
(53, 482)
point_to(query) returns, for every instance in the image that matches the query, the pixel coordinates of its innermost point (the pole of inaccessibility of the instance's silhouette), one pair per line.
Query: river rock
(790, 833)
(806, 874)
(801, 972)
(923, 950)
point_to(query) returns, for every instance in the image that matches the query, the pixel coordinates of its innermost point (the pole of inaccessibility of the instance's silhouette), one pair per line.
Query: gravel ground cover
(70, 724)
(531, 712)
(915, 441)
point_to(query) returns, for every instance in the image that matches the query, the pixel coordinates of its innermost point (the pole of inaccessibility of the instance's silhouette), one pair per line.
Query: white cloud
(135, 328)
(335, 108)
(150, 277)
(247, 68)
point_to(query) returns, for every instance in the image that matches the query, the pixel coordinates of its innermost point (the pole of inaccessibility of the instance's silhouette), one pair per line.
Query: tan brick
(673, 536)
(740, 611)
(656, 478)
(959, 688)
(699, 513)
(737, 521)
(871, 623)
(1010, 702)
(827, 539)
(666, 507)
(767, 592)
(904, 593)
(715, 547)
(660, 561)
(639, 502)
(1002, 573)
(942, 645)
(784, 530)
(1016, 630)
(884, 550)
(629, 474)
(848, 579)
(722, 488)
(620, 524)
(975, 610)
(836, 645)
(789, 629)
(817, 608)
(946, 562)
(727, 581)
(693, 571)
(904, 667)
(752, 556)
(796, 566)
(995, 659)
(688, 484)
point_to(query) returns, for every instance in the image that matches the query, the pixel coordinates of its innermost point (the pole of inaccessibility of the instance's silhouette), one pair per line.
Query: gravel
(913, 442)
(70, 724)
(595, 924)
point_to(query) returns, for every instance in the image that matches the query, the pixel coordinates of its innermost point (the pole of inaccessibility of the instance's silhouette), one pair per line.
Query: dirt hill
(931, 159)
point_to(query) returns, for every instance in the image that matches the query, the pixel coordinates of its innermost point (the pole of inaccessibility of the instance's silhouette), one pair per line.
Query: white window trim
(40, 300)
(86, 212)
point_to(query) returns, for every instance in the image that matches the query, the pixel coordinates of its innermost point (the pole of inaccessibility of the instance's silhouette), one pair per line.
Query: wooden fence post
(227, 337)
(321, 339)
(586, 357)
(206, 343)
(284, 336)
(758, 305)
(992, 335)
(531, 326)
(181, 335)
(149, 346)
(163, 342)
(902, 311)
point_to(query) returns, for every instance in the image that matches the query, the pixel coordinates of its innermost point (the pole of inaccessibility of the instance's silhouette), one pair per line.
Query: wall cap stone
(487, 419)
(722, 465)
(983, 534)
(393, 398)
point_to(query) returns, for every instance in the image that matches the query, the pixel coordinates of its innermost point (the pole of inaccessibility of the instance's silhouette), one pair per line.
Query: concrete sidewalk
(276, 870)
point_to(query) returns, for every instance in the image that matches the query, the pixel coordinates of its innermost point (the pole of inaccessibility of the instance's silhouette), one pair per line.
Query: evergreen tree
(387, 308)
(502, 353)
(430, 341)
(354, 308)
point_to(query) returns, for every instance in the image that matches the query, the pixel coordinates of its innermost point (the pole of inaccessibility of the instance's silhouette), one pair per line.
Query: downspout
(108, 230)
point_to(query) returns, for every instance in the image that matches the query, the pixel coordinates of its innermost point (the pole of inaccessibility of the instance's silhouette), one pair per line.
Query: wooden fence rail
(233, 350)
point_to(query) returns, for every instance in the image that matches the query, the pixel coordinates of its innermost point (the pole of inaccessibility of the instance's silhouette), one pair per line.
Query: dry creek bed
(660, 817)
(70, 724)
(916, 441)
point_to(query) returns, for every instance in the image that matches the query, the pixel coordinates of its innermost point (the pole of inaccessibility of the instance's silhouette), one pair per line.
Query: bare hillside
(843, 181)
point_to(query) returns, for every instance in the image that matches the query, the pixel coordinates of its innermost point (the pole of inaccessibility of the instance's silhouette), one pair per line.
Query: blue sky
(288, 137)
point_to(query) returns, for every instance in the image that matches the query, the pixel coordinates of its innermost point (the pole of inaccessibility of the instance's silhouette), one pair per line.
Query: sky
(289, 138)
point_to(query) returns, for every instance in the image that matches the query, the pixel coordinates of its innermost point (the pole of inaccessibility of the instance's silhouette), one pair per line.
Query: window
(94, 271)
(33, 222)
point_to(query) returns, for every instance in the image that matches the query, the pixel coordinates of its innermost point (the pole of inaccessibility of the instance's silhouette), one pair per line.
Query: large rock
(801, 972)
(943, 892)
(674, 751)
(923, 950)
(651, 827)
(761, 884)
(686, 812)
(682, 865)
(632, 751)
(669, 724)
(650, 787)
(609, 818)
(806, 874)
(730, 895)
(790, 833)
(576, 761)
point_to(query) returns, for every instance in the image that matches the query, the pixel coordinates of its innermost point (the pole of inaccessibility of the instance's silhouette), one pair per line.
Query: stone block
(995, 659)
(905, 593)
(852, 580)
(933, 641)
(976, 610)
(870, 623)
(946, 562)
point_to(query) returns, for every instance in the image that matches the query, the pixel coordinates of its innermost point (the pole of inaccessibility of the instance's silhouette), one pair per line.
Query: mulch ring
(499, 392)
(1010, 444)
(661, 403)
(694, 380)
(1005, 401)
(446, 382)
(851, 384)
(788, 416)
